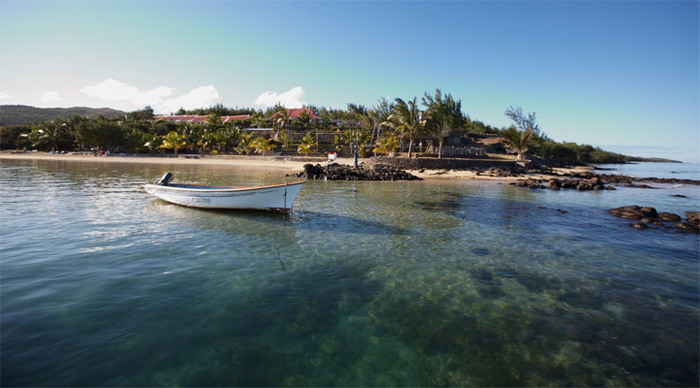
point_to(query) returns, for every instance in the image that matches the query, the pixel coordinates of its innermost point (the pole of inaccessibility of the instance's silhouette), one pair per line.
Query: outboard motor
(165, 179)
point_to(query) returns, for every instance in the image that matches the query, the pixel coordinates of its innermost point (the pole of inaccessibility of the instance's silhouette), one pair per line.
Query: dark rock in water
(507, 274)
(648, 215)
(632, 181)
(510, 171)
(679, 196)
(337, 171)
(585, 183)
(589, 184)
(629, 212)
(669, 217)
(634, 212)
(482, 274)
(481, 251)
(688, 227)
(649, 212)
(693, 217)
(554, 184)
(531, 183)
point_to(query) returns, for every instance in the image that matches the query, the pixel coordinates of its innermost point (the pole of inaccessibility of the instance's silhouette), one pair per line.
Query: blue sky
(606, 73)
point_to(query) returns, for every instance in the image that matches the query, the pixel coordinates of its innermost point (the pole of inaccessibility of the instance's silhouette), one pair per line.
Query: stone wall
(439, 164)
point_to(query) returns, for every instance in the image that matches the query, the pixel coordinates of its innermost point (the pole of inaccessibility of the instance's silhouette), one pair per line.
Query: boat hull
(271, 198)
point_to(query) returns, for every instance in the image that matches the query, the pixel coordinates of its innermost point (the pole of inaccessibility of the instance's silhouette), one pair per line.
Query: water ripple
(415, 284)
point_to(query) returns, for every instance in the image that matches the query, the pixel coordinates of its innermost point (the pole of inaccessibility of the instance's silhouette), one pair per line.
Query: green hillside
(24, 114)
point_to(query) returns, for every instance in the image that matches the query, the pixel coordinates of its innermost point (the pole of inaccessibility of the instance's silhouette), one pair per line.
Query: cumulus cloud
(51, 97)
(292, 98)
(5, 96)
(202, 96)
(162, 99)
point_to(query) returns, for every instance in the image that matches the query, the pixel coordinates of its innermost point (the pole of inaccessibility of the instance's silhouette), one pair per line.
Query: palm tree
(82, 129)
(173, 141)
(261, 145)
(154, 142)
(213, 120)
(48, 133)
(228, 136)
(387, 144)
(281, 120)
(405, 120)
(519, 136)
(305, 120)
(518, 141)
(380, 114)
(307, 144)
(244, 143)
(443, 115)
(257, 119)
(338, 141)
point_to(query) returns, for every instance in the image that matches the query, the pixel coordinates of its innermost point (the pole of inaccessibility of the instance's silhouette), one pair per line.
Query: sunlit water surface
(403, 283)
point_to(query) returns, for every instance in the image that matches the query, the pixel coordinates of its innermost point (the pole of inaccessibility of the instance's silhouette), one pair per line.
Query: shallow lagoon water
(402, 283)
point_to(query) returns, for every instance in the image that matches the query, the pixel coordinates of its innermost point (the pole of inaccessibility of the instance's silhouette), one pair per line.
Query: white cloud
(161, 99)
(289, 99)
(5, 96)
(113, 90)
(51, 97)
(203, 96)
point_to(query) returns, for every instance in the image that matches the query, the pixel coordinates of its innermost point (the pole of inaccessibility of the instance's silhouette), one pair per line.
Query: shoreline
(257, 161)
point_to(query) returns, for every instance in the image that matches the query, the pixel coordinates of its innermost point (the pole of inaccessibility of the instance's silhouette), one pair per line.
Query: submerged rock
(580, 184)
(669, 217)
(648, 215)
(687, 226)
(633, 212)
(693, 217)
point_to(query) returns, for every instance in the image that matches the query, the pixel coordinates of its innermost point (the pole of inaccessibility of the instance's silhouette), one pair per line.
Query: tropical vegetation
(388, 128)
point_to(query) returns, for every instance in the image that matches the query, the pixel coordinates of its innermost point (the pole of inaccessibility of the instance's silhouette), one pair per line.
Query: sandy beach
(255, 161)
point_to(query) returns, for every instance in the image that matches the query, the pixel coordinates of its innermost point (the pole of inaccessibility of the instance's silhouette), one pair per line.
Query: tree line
(381, 129)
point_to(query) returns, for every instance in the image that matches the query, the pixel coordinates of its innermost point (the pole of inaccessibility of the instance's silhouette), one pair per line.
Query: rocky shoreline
(537, 176)
(335, 171)
(591, 181)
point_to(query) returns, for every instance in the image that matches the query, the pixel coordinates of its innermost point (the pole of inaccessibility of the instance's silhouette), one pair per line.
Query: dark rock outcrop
(580, 184)
(648, 215)
(669, 217)
(693, 217)
(634, 212)
(335, 171)
(635, 182)
(514, 170)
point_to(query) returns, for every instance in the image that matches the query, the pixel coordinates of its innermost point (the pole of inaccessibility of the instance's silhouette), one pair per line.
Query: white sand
(253, 161)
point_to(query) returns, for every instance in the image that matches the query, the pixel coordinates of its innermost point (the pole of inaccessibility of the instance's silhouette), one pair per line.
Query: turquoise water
(657, 170)
(402, 283)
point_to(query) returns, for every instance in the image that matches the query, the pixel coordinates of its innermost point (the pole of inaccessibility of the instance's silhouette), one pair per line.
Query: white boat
(278, 197)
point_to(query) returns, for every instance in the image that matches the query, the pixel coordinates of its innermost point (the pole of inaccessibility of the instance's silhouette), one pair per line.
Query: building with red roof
(200, 118)
(294, 114)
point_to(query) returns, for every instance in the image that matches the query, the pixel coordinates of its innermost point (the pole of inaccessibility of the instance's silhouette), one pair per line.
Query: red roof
(200, 118)
(295, 113)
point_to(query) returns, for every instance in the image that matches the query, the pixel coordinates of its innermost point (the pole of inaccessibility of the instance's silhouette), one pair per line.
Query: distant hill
(24, 114)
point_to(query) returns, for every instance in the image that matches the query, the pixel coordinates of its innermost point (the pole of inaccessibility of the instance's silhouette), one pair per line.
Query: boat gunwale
(221, 189)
